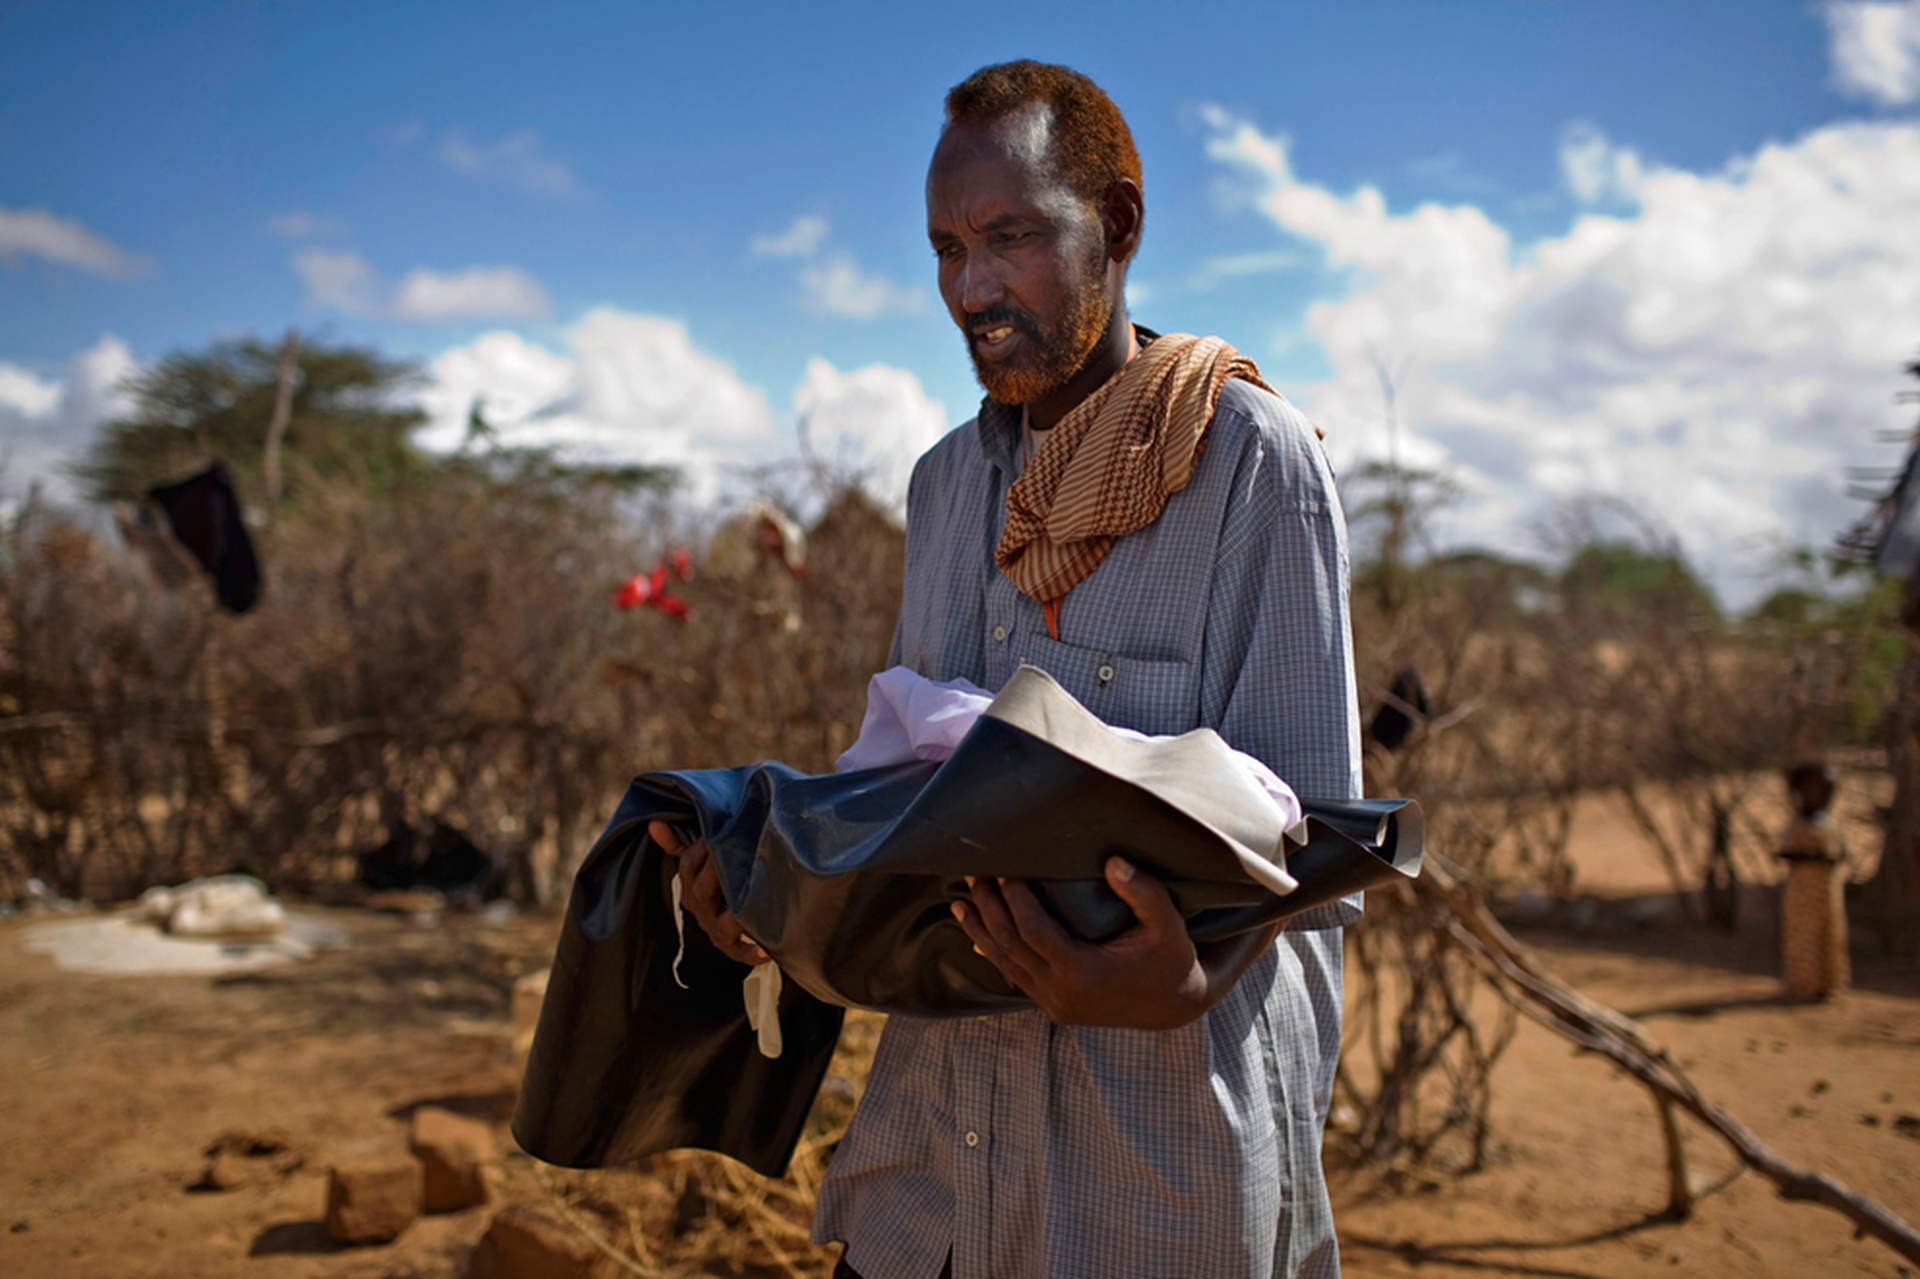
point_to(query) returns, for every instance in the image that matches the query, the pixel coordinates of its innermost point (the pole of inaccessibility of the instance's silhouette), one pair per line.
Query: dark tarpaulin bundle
(203, 512)
(846, 881)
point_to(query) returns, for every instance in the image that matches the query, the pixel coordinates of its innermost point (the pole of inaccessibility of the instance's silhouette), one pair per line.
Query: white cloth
(762, 993)
(912, 717)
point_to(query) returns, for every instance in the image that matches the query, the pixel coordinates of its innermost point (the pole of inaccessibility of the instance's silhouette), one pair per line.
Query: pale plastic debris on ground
(219, 906)
(129, 944)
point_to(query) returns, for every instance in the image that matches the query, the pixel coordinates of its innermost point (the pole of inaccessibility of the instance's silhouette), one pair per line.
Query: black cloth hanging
(846, 881)
(204, 513)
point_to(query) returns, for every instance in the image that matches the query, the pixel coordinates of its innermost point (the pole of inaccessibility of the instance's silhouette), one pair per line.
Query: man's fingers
(996, 917)
(984, 943)
(706, 901)
(703, 894)
(719, 921)
(666, 836)
(1038, 930)
(1152, 904)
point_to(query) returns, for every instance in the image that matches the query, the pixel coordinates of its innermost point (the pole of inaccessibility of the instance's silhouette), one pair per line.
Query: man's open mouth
(995, 336)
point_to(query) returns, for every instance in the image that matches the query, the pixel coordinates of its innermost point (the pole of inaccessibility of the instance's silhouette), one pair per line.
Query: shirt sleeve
(1277, 659)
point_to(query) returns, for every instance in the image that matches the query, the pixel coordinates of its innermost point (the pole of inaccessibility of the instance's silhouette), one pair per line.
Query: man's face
(1023, 258)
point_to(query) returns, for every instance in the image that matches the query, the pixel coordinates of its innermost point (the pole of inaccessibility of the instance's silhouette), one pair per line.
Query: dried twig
(1593, 1026)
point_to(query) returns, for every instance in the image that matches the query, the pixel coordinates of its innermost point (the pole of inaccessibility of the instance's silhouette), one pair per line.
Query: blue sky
(1661, 253)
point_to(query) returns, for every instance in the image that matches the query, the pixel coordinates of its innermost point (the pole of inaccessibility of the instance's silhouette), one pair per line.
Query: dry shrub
(450, 654)
(1544, 691)
(453, 653)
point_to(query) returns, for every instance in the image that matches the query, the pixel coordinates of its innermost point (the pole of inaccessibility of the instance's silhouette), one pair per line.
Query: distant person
(1143, 518)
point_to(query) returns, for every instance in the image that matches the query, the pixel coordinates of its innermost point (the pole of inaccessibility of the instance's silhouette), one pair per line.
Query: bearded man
(1144, 519)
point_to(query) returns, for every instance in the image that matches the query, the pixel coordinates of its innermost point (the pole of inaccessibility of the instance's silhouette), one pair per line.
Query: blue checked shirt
(1032, 1150)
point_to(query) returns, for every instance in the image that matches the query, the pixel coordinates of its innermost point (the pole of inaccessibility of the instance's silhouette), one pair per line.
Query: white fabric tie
(762, 992)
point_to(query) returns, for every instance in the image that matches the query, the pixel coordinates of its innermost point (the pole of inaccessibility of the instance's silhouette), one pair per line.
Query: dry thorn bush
(451, 652)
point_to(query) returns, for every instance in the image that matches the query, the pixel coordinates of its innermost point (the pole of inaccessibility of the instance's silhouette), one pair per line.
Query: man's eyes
(999, 239)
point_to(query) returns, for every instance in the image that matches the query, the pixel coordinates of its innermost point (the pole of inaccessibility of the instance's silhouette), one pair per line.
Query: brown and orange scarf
(1108, 466)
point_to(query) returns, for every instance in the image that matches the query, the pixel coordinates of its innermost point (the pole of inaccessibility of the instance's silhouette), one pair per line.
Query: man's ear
(1124, 215)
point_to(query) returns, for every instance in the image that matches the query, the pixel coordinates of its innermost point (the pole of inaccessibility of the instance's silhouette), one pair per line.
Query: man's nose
(981, 284)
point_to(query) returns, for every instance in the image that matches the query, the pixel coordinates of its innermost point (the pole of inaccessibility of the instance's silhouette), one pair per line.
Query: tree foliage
(1616, 582)
(351, 418)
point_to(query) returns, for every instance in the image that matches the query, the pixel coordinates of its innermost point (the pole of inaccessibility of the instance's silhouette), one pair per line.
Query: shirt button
(999, 634)
(1105, 673)
(973, 1139)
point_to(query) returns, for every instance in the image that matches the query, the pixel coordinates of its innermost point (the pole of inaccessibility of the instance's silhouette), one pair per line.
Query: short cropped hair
(1091, 141)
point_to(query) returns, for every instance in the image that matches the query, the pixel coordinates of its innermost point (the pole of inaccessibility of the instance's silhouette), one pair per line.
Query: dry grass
(691, 1213)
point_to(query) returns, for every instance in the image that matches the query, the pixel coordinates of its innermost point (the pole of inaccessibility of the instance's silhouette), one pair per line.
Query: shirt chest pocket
(1153, 697)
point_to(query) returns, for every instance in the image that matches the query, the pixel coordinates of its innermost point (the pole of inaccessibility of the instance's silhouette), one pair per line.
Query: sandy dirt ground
(112, 1088)
(1578, 1184)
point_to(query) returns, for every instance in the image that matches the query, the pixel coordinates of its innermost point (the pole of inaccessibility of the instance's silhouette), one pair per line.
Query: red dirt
(112, 1089)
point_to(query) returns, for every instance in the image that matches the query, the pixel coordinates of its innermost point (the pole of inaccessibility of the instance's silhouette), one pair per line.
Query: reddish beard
(1055, 353)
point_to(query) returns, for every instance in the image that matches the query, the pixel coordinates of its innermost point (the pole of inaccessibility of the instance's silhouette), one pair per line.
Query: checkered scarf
(1108, 466)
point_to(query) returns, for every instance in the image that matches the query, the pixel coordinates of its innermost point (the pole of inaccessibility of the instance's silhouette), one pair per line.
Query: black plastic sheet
(846, 880)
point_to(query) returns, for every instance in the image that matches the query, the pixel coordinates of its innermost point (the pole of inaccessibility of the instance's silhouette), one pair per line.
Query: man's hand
(1150, 977)
(700, 894)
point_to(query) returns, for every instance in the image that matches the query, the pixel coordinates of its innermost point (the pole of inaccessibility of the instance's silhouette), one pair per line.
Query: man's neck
(1117, 346)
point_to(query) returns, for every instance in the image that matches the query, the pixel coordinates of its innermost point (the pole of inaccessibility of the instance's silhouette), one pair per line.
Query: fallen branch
(1593, 1026)
(48, 719)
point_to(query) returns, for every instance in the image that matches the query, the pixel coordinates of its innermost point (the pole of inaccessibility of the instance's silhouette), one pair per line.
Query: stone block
(453, 1151)
(529, 993)
(525, 1242)
(372, 1200)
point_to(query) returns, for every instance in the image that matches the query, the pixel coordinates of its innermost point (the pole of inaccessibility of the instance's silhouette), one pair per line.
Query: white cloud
(1876, 49)
(516, 159)
(1595, 170)
(633, 388)
(1719, 357)
(45, 423)
(25, 396)
(839, 287)
(300, 225)
(478, 292)
(801, 239)
(62, 240)
(835, 285)
(338, 279)
(516, 379)
(873, 422)
(342, 280)
(1235, 266)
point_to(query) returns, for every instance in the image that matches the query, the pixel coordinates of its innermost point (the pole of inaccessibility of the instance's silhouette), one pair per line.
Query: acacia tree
(431, 644)
(348, 416)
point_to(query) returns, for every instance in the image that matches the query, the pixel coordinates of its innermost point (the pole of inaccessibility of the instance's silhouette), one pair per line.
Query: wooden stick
(1551, 1002)
(282, 412)
(1679, 1192)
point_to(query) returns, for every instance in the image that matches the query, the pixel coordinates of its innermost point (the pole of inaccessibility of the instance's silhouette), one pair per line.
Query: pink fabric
(911, 717)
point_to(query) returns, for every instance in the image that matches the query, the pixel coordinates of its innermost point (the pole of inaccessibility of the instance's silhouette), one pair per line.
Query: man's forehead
(1026, 133)
(1019, 142)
